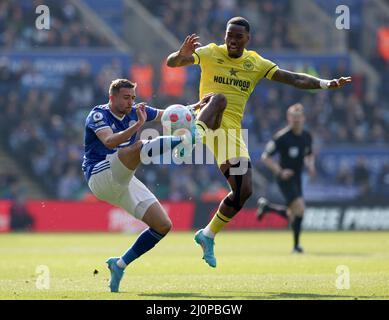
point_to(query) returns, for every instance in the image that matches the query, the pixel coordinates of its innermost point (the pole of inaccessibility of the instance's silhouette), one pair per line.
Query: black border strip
(197, 56)
(269, 70)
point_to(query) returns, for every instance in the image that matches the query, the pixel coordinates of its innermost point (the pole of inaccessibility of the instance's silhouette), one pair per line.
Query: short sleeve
(201, 54)
(271, 147)
(267, 68)
(151, 112)
(97, 121)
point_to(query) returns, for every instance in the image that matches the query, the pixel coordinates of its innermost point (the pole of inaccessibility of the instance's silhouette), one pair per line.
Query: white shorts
(118, 186)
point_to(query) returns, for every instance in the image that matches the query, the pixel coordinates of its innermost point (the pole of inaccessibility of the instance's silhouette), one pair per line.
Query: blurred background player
(294, 145)
(232, 70)
(111, 158)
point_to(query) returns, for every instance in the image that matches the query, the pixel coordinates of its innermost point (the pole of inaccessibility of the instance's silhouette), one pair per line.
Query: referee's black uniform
(292, 149)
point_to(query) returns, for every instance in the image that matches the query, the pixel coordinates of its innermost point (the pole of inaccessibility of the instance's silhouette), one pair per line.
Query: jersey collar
(120, 119)
(295, 134)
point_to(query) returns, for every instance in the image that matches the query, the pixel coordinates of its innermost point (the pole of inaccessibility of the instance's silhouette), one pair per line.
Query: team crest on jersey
(97, 116)
(131, 123)
(248, 65)
(293, 152)
(113, 127)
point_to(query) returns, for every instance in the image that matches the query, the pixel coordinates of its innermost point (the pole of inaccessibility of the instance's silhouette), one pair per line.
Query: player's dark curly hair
(240, 21)
(117, 84)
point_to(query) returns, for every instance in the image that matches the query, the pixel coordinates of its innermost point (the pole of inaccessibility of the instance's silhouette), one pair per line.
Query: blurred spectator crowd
(268, 19)
(18, 28)
(43, 129)
(9, 185)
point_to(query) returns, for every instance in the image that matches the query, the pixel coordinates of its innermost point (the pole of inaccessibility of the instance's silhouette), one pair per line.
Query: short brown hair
(296, 108)
(117, 84)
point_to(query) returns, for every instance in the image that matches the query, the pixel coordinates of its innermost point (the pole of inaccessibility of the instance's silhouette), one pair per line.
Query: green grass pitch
(251, 265)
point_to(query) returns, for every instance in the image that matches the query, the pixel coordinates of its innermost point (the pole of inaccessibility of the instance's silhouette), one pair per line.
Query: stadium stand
(269, 19)
(43, 128)
(7, 181)
(17, 26)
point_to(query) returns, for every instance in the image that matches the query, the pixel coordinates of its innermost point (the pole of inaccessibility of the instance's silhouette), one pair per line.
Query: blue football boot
(116, 274)
(207, 244)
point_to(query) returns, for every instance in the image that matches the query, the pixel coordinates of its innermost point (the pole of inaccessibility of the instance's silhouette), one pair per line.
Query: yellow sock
(216, 225)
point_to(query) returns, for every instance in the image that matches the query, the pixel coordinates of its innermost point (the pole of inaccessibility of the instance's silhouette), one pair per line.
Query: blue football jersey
(99, 118)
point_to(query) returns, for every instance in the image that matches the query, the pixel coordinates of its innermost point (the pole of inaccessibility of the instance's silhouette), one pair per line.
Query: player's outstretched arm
(183, 57)
(304, 81)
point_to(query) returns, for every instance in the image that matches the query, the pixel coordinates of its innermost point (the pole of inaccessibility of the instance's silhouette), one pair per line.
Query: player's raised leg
(147, 149)
(294, 213)
(241, 190)
(264, 207)
(211, 114)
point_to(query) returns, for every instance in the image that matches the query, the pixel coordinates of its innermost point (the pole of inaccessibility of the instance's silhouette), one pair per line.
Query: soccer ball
(177, 119)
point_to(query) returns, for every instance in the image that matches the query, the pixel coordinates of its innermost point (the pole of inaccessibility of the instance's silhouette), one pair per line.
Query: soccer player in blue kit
(112, 156)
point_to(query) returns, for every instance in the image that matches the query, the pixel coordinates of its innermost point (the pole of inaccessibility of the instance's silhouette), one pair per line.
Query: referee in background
(294, 145)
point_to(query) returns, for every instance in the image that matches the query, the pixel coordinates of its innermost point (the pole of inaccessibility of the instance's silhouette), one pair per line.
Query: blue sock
(146, 241)
(160, 145)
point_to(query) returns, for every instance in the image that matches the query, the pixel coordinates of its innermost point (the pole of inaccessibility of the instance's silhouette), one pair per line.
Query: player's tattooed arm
(304, 81)
(177, 60)
(183, 57)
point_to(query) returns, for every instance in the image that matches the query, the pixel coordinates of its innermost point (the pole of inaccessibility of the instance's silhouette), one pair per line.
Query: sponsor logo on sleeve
(97, 116)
